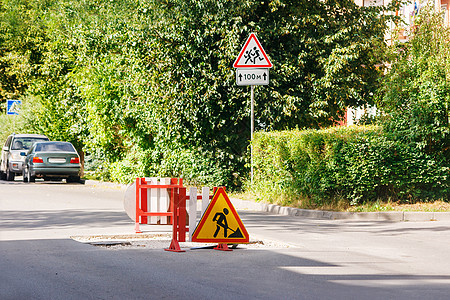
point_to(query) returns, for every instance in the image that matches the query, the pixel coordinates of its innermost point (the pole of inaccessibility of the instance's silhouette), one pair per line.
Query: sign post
(252, 128)
(252, 68)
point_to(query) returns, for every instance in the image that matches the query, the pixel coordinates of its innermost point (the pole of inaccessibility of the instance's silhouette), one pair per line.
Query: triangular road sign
(220, 222)
(252, 55)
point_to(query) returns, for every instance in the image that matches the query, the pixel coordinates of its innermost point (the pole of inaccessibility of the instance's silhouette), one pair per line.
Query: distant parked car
(11, 162)
(52, 160)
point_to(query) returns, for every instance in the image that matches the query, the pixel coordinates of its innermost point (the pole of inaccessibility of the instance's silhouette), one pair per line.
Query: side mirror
(23, 154)
(5, 148)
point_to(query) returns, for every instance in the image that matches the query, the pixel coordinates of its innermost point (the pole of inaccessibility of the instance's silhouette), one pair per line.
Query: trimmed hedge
(357, 164)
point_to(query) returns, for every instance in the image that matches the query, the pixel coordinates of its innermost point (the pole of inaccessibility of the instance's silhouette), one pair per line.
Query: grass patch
(343, 205)
(436, 206)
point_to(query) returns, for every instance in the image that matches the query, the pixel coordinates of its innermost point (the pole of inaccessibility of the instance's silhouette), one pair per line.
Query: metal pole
(252, 119)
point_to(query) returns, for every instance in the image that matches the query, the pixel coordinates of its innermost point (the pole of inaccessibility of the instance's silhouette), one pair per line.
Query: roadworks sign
(220, 222)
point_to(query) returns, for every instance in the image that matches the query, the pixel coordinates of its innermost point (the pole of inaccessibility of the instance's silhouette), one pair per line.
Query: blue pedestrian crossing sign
(13, 107)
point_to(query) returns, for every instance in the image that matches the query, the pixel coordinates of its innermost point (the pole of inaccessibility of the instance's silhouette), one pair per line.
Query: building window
(373, 2)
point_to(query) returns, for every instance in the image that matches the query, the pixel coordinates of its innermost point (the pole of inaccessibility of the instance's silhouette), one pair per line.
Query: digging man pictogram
(221, 222)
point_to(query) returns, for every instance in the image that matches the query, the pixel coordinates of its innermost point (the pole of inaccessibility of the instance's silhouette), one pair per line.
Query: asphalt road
(300, 259)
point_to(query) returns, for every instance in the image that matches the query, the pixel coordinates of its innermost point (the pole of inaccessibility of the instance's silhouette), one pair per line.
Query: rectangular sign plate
(252, 76)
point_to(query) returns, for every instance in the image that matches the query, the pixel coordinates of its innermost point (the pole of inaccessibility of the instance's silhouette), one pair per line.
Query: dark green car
(51, 161)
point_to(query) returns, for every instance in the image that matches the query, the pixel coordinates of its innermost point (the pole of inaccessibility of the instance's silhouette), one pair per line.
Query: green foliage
(147, 87)
(358, 164)
(18, 123)
(22, 39)
(416, 92)
(406, 158)
(135, 164)
(196, 168)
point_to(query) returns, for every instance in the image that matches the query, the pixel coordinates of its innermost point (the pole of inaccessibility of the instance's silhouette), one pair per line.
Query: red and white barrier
(152, 211)
(164, 201)
(154, 200)
(193, 197)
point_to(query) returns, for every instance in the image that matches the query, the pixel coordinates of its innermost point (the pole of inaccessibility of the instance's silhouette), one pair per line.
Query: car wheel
(31, 178)
(2, 176)
(24, 175)
(9, 175)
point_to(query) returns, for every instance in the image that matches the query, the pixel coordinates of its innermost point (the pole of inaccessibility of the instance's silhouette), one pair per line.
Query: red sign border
(205, 216)
(252, 36)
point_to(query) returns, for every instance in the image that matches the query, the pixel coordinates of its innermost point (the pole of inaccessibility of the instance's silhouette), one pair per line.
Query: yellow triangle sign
(220, 222)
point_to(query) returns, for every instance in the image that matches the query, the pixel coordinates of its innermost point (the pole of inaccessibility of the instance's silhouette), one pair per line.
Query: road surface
(300, 258)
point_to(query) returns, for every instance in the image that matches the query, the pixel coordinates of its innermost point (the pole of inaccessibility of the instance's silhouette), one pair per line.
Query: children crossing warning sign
(220, 222)
(252, 55)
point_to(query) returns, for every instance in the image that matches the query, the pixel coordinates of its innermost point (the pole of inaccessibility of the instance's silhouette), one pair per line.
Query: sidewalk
(393, 216)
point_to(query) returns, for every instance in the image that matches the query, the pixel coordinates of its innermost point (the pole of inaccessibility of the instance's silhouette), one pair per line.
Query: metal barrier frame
(176, 213)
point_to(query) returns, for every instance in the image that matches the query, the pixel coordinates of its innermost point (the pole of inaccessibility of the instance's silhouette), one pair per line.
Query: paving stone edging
(393, 216)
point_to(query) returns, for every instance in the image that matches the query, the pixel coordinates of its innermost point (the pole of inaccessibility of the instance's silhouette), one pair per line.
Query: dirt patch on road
(162, 241)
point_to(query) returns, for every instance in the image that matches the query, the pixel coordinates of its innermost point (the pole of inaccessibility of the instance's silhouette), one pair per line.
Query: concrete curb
(393, 216)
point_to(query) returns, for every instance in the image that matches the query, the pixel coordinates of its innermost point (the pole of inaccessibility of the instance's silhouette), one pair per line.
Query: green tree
(415, 100)
(416, 91)
(22, 36)
(324, 54)
(151, 82)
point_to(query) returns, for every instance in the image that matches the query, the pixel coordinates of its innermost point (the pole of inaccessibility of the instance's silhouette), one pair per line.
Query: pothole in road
(162, 241)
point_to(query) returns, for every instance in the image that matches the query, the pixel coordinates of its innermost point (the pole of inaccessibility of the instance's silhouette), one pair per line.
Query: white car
(11, 162)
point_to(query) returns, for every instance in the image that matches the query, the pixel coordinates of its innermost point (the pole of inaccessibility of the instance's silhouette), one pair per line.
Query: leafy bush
(18, 123)
(360, 163)
(135, 164)
(406, 158)
(148, 86)
(194, 167)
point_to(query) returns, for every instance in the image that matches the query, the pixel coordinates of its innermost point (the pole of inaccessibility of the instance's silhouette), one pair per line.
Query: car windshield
(55, 147)
(25, 143)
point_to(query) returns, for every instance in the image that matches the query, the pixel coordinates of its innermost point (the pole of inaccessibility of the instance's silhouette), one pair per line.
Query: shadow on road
(53, 268)
(42, 219)
(297, 224)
